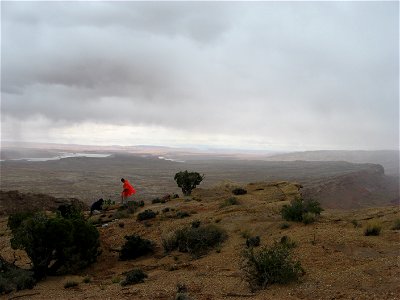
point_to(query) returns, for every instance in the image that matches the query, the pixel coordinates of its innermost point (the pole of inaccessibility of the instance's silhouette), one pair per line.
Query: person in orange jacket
(128, 190)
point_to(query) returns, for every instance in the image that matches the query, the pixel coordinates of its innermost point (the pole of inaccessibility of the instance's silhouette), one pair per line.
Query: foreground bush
(373, 229)
(14, 278)
(134, 247)
(300, 210)
(239, 191)
(195, 240)
(146, 215)
(55, 244)
(270, 265)
(133, 277)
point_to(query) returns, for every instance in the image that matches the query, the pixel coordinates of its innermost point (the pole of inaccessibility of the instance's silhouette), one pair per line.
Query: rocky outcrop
(365, 188)
(14, 201)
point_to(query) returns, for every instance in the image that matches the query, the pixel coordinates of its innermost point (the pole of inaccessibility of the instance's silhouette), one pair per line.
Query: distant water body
(63, 155)
(170, 159)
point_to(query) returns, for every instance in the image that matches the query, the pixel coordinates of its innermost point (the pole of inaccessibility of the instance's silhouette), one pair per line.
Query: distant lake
(61, 156)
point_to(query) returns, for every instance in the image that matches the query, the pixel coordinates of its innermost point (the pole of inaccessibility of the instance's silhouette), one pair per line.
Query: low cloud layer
(304, 74)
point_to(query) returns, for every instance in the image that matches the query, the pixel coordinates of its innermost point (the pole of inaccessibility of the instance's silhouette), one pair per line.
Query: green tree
(187, 181)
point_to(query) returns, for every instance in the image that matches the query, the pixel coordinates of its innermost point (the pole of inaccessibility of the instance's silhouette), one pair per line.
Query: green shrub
(134, 247)
(239, 191)
(116, 279)
(70, 284)
(68, 243)
(308, 218)
(188, 181)
(156, 200)
(182, 214)
(195, 224)
(253, 241)
(299, 209)
(133, 277)
(373, 229)
(121, 214)
(14, 278)
(196, 241)
(355, 223)
(269, 265)
(285, 226)
(230, 201)
(286, 241)
(146, 215)
(396, 225)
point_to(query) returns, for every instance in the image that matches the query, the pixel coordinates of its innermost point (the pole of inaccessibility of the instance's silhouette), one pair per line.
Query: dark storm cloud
(309, 72)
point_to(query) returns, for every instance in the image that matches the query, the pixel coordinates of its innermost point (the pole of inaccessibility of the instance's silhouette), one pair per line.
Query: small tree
(188, 181)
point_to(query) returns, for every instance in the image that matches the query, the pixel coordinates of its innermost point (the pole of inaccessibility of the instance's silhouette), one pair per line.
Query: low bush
(70, 284)
(355, 223)
(134, 247)
(196, 241)
(308, 218)
(156, 200)
(396, 225)
(373, 229)
(56, 245)
(165, 210)
(301, 210)
(14, 278)
(286, 241)
(87, 279)
(230, 201)
(269, 265)
(195, 224)
(239, 191)
(285, 226)
(182, 214)
(253, 241)
(133, 277)
(146, 215)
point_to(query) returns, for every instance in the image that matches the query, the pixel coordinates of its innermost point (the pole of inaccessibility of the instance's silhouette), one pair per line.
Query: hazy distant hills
(389, 159)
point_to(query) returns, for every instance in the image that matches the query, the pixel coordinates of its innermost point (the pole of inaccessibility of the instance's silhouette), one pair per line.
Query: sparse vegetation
(146, 215)
(286, 241)
(373, 229)
(87, 279)
(134, 247)
(308, 218)
(116, 279)
(253, 241)
(396, 225)
(230, 201)
(181, 293)
(355, 223)
(284, 226)
(269, 265)
(69, 243)
(188, 181)
(133, 277)
(196, 241)
(239, 191)
(300, 210)
(182, 214)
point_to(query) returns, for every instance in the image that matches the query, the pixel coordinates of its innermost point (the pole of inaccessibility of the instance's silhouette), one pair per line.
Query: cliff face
(365, 188)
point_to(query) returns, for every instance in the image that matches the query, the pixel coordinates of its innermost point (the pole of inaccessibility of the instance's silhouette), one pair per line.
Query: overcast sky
(260, 75)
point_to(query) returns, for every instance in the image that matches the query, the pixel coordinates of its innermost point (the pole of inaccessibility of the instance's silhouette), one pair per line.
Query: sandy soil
(340, 262)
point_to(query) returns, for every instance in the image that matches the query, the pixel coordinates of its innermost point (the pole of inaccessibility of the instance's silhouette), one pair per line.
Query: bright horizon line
(202, 147)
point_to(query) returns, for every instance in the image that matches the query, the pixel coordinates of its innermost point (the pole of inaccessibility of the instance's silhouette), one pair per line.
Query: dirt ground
(340, 262)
